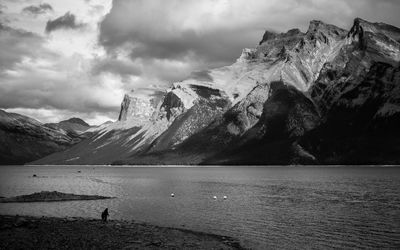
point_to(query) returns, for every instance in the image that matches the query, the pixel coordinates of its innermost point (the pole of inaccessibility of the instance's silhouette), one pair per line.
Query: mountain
(326, 96)
(73, 126)
(23, 139)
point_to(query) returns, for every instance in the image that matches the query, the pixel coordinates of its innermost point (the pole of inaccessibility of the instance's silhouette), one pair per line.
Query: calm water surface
(271, 207)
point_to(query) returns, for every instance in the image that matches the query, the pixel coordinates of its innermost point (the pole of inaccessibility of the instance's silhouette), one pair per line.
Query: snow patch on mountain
(186, 95)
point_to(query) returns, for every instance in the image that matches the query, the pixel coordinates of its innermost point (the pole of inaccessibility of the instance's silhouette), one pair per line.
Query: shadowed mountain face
(325, 96)
(23, 139)
(361, 124)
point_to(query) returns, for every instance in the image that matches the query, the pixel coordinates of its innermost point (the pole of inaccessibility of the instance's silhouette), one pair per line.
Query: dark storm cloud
(112, 65)
(155, 36)
(16, 44)
(2, 7)
(219, 47)
(37, 9)
(68, 21)
(153, 22)
(212, 33)
(150, 43)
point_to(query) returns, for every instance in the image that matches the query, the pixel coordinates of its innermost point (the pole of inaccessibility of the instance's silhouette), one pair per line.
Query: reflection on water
(281, 207)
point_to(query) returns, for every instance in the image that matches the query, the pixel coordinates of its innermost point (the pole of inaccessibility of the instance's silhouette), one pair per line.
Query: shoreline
(52, 196)
(214, 166)
(29, 232)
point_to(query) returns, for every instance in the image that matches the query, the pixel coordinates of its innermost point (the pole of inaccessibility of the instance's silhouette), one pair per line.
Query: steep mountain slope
(358, 95)
(286, 115)
(23, 139)
(183, 111)
(324, 96)
(74, 124)
(74, 127)
(361, 125)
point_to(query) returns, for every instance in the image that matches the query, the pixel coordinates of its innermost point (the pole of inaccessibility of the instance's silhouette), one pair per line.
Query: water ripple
(278, 208)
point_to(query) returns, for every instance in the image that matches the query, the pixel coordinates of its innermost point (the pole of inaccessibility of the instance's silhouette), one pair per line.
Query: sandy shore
(24, 232)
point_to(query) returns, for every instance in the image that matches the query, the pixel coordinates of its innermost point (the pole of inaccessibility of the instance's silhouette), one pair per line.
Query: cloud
(201, 75)
(38, 9)
(17, 44)
(67, 21)
(140, 44)
(173, 30)
(62, 84)
(121, 67)
(2, 7)
(39, 77)
(201, 35)
(35, 77)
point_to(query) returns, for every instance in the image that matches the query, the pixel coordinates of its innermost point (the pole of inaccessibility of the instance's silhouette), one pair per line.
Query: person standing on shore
(104, 215)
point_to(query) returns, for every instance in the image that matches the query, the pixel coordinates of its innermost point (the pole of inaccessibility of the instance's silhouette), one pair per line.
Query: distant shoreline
(51, 196)
(83, 233)
(208, 166)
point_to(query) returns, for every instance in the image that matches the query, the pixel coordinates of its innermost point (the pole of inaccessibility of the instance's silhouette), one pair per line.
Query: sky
(77, 58)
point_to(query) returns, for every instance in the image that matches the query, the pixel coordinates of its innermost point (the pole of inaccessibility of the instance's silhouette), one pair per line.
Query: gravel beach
(25, 232)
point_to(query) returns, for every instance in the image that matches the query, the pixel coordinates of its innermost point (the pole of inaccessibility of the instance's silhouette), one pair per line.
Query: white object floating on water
(172, 195)
(215, 197)
(225, 197)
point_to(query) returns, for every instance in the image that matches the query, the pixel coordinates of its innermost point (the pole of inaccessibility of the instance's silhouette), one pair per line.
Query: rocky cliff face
(137, 108)
(323, 96)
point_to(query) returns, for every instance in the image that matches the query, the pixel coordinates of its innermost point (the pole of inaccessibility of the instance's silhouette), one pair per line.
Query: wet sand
(25, 232)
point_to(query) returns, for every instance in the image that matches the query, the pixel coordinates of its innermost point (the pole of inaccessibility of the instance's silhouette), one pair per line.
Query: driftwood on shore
(46, 196)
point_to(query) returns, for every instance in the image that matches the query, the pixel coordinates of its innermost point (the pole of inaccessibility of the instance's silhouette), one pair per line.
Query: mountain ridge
(277, 104)
(23, 139)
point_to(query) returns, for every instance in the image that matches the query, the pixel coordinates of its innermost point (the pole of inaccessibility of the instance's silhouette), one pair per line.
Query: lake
(266, 207)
